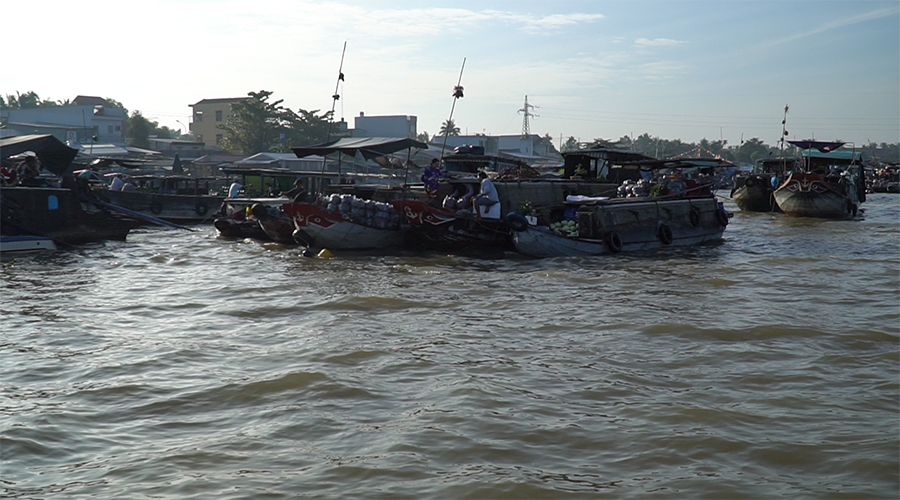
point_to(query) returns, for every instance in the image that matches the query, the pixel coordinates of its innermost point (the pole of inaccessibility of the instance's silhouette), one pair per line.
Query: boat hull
(811, 195)
(625, 226)
(754, 193)
(443, 229)
(14, 245)
(59, 214)
(319, 228)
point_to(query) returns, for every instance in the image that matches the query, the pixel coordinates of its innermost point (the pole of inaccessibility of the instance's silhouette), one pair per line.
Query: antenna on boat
(457, 93)
(334, 99)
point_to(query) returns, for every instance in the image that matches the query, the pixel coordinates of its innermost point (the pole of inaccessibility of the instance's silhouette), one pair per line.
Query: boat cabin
(607, 165)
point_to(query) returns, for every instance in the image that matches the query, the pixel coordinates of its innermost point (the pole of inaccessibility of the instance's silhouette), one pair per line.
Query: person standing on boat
(431, 178)
(487, 201)
(298, 193)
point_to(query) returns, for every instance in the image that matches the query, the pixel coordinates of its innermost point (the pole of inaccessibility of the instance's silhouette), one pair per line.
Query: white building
(88, 119)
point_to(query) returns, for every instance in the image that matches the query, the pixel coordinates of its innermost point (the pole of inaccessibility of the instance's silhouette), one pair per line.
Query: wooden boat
(346, 222)
(608, 226)
(831, 185)
(175, 198)
(318, 227)
(754, 191)
(58, 210)
(236, 219)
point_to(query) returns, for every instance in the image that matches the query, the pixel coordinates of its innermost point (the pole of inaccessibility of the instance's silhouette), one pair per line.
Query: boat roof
(368, 147)
(843, 156)
(823, 146)
(55, 156)
(683, 163)
(612, 155)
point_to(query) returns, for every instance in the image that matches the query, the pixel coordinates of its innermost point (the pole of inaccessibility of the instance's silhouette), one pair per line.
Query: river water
(181, 365)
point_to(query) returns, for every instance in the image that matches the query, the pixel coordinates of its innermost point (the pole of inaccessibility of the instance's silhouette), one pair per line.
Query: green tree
(423, 136)
(139, 129)
(571, 144)
(602, 144)
(25, 100)
(751, 150)
(256, 125)
(449, 128)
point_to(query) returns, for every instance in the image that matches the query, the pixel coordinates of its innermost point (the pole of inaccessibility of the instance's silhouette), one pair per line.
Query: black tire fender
(749, 182)
(665, 234)
(517, 222)
(156, 207)
(614, 242)
(201, 208)
(695, 216)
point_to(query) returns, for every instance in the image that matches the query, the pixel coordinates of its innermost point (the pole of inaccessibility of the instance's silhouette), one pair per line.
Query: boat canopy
(368, 147)
(822, 146)
(55, 156)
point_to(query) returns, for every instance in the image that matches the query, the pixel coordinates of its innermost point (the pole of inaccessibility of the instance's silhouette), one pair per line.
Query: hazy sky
(594, 69)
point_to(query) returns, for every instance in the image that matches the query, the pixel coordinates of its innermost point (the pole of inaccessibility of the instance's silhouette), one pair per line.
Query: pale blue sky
(594, 69)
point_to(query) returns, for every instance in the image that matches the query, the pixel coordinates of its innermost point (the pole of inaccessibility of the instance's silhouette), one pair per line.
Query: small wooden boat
(832, 185)
(57, 208)
(174, 198)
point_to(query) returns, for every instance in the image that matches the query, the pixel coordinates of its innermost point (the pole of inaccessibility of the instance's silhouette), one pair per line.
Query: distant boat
(754, 191)
(175, 198)
(830, 183)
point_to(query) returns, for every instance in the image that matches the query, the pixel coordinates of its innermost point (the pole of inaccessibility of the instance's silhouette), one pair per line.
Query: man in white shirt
(487, 201)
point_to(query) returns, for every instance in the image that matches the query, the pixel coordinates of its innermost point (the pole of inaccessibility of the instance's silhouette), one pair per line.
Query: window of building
(198, 116)
(118, 128)
(219, 138)
(219, 115)
(200, 137)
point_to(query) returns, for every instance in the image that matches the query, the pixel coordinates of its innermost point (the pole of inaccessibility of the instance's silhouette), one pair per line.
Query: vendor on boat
(298, 193)
(487, 201)
(431, 178)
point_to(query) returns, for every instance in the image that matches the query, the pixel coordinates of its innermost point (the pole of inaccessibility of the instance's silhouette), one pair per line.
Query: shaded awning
(822, 146)
(55, 156)
(368, 147)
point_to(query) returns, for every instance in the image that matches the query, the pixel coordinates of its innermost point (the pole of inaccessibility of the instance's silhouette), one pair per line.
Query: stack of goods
(632, 189)
(365, 212)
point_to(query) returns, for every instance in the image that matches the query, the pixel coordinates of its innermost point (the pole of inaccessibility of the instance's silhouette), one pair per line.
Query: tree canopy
(257, 125)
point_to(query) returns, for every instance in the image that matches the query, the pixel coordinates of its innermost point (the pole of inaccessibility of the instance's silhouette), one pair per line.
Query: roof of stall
(368, 147)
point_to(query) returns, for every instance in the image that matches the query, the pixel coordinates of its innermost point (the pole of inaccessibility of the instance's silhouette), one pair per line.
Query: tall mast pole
(334, 100)
(457, 93)
(784, 133)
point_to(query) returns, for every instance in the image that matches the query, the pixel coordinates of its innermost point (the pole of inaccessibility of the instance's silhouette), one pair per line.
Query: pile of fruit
(565, 227)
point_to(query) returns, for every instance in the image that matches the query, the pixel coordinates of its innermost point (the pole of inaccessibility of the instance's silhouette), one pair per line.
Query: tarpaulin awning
(368, 147)
(822, 146)
(55, 156)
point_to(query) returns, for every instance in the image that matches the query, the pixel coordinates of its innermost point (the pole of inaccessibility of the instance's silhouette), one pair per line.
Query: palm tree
(448, 128)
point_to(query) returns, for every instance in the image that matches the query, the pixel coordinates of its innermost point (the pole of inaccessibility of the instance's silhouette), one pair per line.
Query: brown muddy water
(180, 365)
